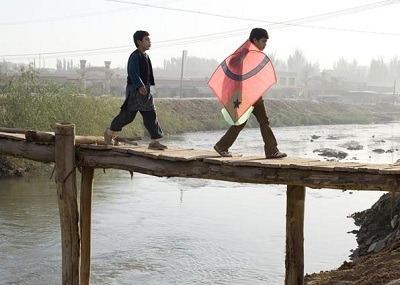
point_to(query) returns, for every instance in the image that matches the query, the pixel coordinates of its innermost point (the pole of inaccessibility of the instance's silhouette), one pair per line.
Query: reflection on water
(152, 230)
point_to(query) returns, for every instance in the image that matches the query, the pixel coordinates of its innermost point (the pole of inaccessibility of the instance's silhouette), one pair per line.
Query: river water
(154, 231)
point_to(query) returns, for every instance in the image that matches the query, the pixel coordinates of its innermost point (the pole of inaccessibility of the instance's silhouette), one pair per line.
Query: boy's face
(261, 43)
(144, 44)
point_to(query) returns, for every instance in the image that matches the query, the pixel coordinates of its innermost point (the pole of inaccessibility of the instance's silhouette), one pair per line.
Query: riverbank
(376, 261)
(175, 115)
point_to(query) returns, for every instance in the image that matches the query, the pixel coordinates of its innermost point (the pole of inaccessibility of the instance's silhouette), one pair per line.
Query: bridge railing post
(67, 202)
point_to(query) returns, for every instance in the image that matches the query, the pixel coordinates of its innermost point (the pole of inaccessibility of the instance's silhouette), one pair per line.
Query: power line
(71, 17)
(339, 13)
(174, 42)
(318, 17)
(220, 35)
(77, 16)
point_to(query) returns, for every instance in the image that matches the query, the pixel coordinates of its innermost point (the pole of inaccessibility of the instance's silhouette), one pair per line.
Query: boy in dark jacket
(138, 95)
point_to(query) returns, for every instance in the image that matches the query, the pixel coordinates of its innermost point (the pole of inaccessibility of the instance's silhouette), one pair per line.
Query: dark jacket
(140, 70)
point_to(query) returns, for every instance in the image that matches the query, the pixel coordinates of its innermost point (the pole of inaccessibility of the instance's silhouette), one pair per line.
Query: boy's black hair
(258, 33)
(139, 35)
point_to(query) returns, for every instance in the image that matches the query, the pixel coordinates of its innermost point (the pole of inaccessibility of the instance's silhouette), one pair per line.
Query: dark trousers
(149, 121)
(270, 144)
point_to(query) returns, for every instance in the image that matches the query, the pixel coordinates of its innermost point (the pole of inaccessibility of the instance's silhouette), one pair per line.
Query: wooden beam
(86, 222)
(67, 202)
(291, 175)
(350, 176)
(13, 130)
(294, 261)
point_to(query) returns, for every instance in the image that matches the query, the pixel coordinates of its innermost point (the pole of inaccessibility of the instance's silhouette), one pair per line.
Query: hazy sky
(99, 30)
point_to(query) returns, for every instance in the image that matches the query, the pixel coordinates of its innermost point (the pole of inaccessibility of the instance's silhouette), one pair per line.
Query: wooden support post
(86, 222)
(67, 202)
(294, 261)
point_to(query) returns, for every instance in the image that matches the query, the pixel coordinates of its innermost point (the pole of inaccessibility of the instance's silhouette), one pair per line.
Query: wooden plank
(349, 166)
(95, 147)
(385, 169)
(243, 160)
(216, 159)
(294, 261)
(67, 203)
(310, 165)
(171, 154)
(366, 167)
(369, 168)
(296, 163)
(321, 166)
(187, 155)
(145, 152)
(276, 163)
(390, 169)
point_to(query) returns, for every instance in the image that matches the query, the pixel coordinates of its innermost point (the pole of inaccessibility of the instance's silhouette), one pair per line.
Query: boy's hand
(143, 90)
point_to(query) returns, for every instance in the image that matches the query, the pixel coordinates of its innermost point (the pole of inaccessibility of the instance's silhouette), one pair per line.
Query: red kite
(240, 80)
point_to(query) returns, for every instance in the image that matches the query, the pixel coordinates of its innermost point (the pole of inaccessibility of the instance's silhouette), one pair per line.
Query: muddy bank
(376, 261)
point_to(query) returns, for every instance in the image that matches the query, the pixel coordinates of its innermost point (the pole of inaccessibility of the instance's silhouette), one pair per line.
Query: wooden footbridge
(70, 152)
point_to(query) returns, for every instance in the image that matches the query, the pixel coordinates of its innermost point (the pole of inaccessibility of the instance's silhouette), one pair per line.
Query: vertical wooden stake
(294, 261)
(67, 202)
(86, 222)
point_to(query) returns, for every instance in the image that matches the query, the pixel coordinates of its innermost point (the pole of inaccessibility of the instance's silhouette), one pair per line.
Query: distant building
(287, 86)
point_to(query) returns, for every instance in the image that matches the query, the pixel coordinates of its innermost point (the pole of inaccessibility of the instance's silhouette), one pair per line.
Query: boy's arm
(133, 71)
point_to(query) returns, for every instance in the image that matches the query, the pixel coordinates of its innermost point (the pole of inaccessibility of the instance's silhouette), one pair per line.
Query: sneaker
(108, 139)
(277, 154)
(223, 153)
(157, 146)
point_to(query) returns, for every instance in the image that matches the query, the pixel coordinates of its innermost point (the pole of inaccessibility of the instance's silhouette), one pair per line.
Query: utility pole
(394, 98)
(184, 56)
(107, 85)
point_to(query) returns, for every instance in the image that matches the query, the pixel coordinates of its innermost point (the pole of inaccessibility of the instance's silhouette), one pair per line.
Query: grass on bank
(30, 102)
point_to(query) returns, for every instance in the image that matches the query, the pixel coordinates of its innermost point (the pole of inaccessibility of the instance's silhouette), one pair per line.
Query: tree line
(378, 73)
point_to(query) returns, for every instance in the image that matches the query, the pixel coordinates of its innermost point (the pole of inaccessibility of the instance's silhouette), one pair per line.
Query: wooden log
(12, 136)
(294, 262)
(67, 203)
(23, 149)
(13, 130)
(89, 140)
(86, 222)
(34, 136)
(47, 137)
(131, 140)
